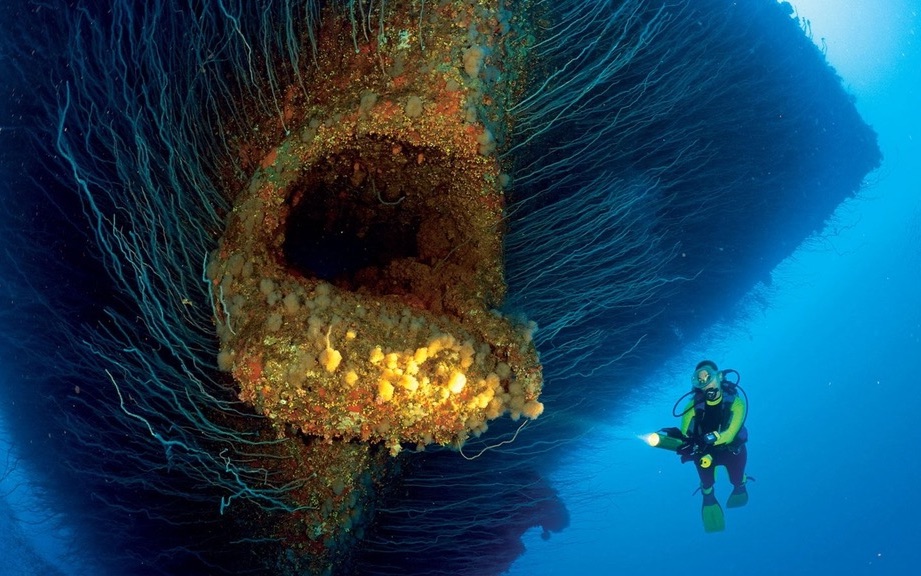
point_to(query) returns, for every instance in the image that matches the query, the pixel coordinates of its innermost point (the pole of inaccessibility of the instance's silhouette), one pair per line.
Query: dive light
(667, 439)
(672, 439)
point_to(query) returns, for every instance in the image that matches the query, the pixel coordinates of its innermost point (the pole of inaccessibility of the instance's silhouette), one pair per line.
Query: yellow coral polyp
(409, 383)
(330, 359)
(439, 343)
(385, 391)
(466, 355)
(483, 398)
(351, 377)
(457, 382)
(532, 409)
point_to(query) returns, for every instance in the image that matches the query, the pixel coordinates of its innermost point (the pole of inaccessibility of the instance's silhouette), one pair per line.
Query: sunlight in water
(862, 40)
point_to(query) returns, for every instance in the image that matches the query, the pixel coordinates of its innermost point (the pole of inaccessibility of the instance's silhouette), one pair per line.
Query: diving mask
(707, 381)
(702, 378)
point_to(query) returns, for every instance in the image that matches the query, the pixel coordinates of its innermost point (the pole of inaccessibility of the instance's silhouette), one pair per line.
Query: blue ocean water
(829, 364)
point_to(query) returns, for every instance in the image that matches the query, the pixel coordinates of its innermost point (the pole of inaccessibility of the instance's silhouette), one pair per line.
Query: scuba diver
(712, 433)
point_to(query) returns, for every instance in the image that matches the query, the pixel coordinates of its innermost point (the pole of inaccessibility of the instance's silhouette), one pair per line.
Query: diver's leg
(735, 465)
(707, 477)
(711, 512)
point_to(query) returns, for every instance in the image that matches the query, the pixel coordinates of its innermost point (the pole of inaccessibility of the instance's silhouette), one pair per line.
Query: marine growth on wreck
(331, 287)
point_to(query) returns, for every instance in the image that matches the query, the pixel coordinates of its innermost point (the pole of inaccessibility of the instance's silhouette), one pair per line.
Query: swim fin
(712, 513)
(738, 498)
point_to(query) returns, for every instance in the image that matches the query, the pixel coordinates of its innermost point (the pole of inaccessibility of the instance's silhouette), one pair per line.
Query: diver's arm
(735, 423)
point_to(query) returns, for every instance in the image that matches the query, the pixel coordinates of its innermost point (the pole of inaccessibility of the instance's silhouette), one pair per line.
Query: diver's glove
(697, 450)
(689, 450)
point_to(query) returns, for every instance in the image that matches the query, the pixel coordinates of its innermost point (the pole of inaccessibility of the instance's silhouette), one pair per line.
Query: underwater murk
(331, 287)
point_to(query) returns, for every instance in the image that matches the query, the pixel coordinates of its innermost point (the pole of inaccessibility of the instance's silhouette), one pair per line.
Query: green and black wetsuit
(726, 417)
